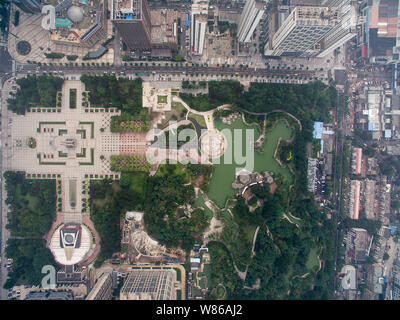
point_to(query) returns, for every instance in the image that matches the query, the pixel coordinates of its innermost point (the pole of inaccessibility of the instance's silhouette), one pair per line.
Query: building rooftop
(349, 277)
(75, 14)
(127, 9)
(70, 252)
(149, 285)
(357, 244)
(318, 129)
(50, 295)
(63, 23)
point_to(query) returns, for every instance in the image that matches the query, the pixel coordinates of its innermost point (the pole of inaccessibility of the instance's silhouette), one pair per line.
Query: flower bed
(32, 143)
(130, 124)
(130, 163)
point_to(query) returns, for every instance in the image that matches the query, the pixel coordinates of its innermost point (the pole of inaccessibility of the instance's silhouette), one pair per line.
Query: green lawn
(313, 261)
(162, 99)
(178, 107)
(200, 203)
(178, 274)
(207, 273)
(177, 113)
(198, 118)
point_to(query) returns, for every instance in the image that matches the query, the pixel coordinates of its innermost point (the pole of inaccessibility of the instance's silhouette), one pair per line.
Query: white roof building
(349, 280)
(157, 96)
(70, 248)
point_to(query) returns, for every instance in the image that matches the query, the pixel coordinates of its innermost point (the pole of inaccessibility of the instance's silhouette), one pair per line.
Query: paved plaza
(73, 144)
(42, 41)
(64, 143)
(29, 29)
(213, 144)
(158, 96)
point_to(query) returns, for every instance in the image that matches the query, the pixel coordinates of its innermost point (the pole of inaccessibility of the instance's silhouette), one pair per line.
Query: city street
(4, 145)
(182, 72)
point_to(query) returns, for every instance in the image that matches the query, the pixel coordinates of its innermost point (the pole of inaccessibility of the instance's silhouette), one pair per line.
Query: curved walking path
(208, 115)
(242, 274)
(284, 216)
(292, 216)
(56, 223)
(302, 276)
(174, 126)
(254, 241)
(89, 223)
(216, 225)
(273, 111)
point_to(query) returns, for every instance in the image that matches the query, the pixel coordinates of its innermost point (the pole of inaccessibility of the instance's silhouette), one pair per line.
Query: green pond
(224, 174)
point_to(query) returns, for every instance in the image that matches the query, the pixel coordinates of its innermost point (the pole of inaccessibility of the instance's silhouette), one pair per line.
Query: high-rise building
(29, 6)
(303, 29)
(198, 25)
(132, 20)
(103, 288)
(343, 31)
(249, 19)
(335, 3)
(149, 285)
(382, 33)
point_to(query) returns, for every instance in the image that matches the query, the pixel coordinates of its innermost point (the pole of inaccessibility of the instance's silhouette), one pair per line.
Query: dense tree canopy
(171, 225)
(32, 204)
(308, 101)
(35, 91)
(108, 91)
(29, 257)
(220, 92)
(32, 209)
(109, 201)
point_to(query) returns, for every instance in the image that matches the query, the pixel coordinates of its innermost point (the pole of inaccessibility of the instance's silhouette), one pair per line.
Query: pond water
(224, 174)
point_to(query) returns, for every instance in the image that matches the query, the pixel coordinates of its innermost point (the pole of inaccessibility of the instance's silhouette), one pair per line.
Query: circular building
(70, 244)
(75, 14)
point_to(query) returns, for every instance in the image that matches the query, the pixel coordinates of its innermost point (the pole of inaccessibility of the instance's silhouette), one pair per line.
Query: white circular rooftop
(70, 255)
(75, 14)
